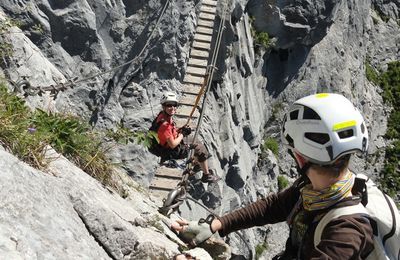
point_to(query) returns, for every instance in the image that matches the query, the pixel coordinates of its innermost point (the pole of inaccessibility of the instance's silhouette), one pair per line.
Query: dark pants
(182, 152)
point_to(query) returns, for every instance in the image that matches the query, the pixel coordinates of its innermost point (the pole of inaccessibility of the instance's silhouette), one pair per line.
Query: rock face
(318, 46)
(65, 214)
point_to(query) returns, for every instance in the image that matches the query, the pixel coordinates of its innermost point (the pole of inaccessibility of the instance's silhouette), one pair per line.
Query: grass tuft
(27, 133)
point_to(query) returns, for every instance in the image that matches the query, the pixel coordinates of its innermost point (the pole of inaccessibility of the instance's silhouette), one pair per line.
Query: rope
(72, 82)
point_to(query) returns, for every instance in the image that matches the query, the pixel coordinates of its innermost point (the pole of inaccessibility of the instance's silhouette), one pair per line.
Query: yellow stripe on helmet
(322, 95)
(342, 125)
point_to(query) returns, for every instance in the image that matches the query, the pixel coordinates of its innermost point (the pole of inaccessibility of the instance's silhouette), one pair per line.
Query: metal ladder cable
(71, 82)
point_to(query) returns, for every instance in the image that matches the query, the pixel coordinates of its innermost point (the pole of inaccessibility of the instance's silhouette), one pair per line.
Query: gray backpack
(385, 218)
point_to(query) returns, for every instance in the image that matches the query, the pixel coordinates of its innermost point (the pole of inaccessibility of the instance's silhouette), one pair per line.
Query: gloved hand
(197, 232)
(185, 130)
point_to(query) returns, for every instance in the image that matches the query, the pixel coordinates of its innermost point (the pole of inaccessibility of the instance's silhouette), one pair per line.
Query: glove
(198, 231)
(185, 130)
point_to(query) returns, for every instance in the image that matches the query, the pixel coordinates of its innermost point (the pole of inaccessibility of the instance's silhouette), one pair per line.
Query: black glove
(185, 130)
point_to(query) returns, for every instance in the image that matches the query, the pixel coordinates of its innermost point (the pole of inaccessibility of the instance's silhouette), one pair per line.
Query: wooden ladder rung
(166, 172)
(199, 54)
(193, 79)
(210, 2)
(188, 99)
(198, 63)
(207, 16)
(202, 37)
(191, 89)
(196, 71)
(181, 121)
(208, 9)
(163, 184)
(205, 23)
(184, 111)
(201, 45)
(204, 30)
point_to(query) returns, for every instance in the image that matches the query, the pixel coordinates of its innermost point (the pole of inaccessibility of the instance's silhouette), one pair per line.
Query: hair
(334, 169)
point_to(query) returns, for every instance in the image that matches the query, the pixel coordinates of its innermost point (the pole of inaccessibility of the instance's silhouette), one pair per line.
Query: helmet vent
(362, 128)
(346, 133)
(319, 138)
(310, 114)
(290, 140)
(294, 115)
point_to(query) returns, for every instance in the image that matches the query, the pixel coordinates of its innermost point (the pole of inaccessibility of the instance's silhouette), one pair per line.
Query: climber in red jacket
(171, 138)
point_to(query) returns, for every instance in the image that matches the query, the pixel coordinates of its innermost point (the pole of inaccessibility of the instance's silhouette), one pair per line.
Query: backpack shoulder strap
(333, 214)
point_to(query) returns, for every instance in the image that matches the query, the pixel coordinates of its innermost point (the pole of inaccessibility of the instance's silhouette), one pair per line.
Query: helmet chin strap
(303, 170)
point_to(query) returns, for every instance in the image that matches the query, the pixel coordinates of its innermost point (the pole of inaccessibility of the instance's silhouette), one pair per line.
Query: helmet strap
(303, 170)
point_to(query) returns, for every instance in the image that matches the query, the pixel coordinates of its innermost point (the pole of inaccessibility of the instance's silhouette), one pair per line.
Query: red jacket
(167, 129)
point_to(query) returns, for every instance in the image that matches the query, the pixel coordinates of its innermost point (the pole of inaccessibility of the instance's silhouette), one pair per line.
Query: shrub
(27, 133)
(371, 74)
(6, 50)
(261, 38)
(123, 135)
(260, 248)
(389, 81)
(282, 182)
(271, 144)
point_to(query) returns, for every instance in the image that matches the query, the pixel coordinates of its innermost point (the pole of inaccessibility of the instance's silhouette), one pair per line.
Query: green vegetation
(6, 24)
(27, 134)
(371, 74)
(282, 182)
(38, 28)
(261, 38)
(260, 248)
(389, 81)
(123, 135)
(270, 144)
(276, 109)
(6, 50)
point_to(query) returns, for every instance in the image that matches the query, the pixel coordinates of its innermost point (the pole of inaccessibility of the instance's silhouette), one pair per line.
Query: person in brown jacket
(321, 132)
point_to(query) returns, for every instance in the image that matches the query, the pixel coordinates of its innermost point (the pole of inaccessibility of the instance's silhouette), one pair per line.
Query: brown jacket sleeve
(273, 209)
(348, 237)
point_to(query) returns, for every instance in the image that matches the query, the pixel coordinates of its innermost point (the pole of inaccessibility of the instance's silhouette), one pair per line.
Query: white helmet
(168, 97)
(324, 127)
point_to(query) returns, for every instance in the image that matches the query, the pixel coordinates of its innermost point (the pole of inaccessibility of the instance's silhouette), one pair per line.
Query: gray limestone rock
(66, 214)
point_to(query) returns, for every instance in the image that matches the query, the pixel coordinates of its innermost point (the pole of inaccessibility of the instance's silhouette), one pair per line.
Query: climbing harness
(55, 89)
